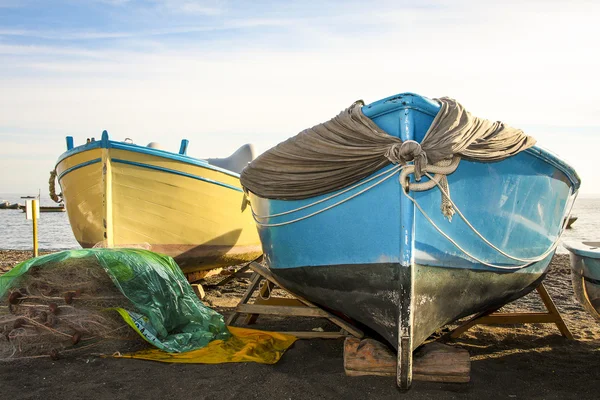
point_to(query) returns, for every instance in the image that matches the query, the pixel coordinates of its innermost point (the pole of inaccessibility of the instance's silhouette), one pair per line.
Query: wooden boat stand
(494, 318)
(296, 307)
(433, 362)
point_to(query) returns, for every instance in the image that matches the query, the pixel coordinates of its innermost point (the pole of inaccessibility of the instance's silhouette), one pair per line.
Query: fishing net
(73, 300)
(63, 306)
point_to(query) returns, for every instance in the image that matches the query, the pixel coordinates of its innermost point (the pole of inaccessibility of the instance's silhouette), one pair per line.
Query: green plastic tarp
(167, 312)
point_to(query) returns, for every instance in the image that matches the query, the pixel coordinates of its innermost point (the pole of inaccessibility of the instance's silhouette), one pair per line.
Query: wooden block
(199, 290)
(438, 362)
(432, 362)
(368, 357)
(197, 275)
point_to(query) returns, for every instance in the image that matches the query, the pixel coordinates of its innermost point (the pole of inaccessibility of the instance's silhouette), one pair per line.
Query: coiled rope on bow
(400, 155)
(409, 150)
(58, 198)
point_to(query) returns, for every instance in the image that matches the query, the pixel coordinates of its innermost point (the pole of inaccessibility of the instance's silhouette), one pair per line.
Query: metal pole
(35, 230)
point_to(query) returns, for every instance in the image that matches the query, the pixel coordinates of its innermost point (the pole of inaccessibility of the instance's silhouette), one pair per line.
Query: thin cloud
(62, 35)
(242, 75)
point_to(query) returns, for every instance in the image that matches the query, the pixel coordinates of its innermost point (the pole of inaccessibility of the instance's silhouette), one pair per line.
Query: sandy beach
(522, 361)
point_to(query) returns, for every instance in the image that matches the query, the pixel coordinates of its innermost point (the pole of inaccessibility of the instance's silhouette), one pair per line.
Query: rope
(535, 259)
(328, 197)
(393, 170)
(52, 188)
(527, 261)
(440, 169)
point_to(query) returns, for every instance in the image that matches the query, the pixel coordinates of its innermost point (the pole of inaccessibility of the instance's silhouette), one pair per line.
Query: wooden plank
(493, 318)
(297, 307)
(432, 362)
(263, 293)
(516, 318)
(317, 335)
(234, 275)
(253, 285)
(469, 324)
(560, 323)
(279, 301)
(265, 273)
(268, 275)
(281, 310)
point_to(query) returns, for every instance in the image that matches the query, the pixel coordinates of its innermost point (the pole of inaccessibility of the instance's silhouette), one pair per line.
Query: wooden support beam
(253, 285)
(282, 310)
(234, 275)
(434, 362)
(494, 318)
(264, 293)
(279, 301)
(266, 274)
(297, 307)
(317, 335)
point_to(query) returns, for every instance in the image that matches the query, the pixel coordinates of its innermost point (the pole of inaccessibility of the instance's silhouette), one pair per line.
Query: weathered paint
(406, 223)
(369, 294)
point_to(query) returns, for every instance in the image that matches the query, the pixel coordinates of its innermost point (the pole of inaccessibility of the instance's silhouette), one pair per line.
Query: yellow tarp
(245, 345)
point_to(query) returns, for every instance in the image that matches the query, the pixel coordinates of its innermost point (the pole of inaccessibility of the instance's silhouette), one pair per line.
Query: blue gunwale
(430, 107)
(83, 164)
(582, 250)
(105, 143)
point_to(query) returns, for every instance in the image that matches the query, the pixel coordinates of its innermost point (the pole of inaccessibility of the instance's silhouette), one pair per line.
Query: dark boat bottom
(369, 293)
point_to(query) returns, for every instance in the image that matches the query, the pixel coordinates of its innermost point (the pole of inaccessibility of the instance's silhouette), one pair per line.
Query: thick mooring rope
(58, 198)
(441, 169)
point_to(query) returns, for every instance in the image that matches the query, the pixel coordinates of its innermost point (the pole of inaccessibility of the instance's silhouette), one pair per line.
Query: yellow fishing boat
(121, 194)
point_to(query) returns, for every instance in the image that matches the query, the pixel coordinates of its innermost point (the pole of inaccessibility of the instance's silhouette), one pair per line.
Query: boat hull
(585, 274)
(374, 257)
(121, 195)
(369, 293)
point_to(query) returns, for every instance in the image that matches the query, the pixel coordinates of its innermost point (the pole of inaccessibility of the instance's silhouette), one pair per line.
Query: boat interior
(237, 161)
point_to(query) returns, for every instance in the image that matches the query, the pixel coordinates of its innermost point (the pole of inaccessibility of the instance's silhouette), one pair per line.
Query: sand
(508, 362)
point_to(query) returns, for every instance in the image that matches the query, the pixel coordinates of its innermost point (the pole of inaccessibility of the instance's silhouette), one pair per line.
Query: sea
(16, 232)
(54, 231)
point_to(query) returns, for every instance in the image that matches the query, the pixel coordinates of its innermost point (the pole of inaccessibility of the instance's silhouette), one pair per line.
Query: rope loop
(52, 188)
(439, 169)
(409, 150)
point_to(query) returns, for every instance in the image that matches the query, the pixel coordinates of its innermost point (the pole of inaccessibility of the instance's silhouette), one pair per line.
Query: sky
(225, 73)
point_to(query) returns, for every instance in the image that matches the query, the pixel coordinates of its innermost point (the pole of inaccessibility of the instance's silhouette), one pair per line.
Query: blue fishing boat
(394, 259)
(585, 273)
